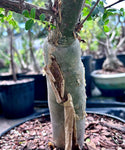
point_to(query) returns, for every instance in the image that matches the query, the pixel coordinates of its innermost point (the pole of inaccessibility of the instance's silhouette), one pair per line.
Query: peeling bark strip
(16, 6)
(70, 125)
(56, 80)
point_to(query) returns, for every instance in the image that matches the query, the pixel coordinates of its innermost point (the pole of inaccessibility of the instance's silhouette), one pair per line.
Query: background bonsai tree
(63, 66)
(112, 38)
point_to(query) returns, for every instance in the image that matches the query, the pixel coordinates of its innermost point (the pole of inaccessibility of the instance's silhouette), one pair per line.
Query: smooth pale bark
(69, 61)
(65, 78)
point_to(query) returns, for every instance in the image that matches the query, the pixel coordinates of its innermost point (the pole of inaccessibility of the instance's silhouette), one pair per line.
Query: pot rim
(94, 74)
(48, 114)
(22, 81)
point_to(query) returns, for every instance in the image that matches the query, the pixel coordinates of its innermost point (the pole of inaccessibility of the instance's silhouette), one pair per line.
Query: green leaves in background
(42, 17)
(106, 28)
(29, 24)
(26, 13)
(9, 18)
(31, 15)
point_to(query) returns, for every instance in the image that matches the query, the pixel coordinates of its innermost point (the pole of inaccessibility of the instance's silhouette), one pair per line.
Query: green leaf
(101, 9)
(1, 15)
(52, 26)
(29, 24)
(13, 22)
(26, 13)
(95, 11)
(33, 13)
(2, 20)
(101, 22)
(104, 1)
(89, 18)
(106, 28)
(9, 17)
(42, 17)
(105, 16)
(122, 9)
(112, 10)
(107, 21)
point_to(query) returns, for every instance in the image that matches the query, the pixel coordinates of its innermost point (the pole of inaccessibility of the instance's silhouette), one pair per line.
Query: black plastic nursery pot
(94, 127)
(9, 76)
(0, 105)
(87, 61)
(40, 85)
(17, 99)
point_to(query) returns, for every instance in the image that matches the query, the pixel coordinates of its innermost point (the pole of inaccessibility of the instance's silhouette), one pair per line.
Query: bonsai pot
(17, 98)
(110, 84)
(40, 85)
(101, 132)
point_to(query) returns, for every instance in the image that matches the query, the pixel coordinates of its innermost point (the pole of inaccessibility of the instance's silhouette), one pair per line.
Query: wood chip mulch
(101, 133)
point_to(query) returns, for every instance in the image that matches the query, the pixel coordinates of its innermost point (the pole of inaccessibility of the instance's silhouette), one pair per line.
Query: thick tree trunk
(65, 78)
(69, 61)
(112, 63)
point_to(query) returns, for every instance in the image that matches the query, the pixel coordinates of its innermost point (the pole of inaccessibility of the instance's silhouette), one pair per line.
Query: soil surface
(12, 82)
(101, 133)
(119, 70)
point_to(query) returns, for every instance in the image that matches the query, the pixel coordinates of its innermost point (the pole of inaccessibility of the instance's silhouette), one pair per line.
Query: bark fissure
(56, 79)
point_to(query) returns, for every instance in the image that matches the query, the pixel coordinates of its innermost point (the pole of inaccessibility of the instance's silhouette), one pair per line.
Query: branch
(120, 43)
(82, 21)
(16, 6)
(4, 55)
(113, 28)
(112, 36)
(114, 4)
(22, 63)
(88, 6)
(100, 42)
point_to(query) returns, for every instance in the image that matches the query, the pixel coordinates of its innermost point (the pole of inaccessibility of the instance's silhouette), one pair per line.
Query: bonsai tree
(112, 39)
(63, 66)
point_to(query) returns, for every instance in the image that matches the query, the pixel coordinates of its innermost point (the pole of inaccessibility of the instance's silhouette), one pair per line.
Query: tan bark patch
(70, 125)
(56, 80)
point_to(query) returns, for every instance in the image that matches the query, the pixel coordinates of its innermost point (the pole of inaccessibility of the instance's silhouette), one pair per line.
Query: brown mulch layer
(101, 133)
(119, 70)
